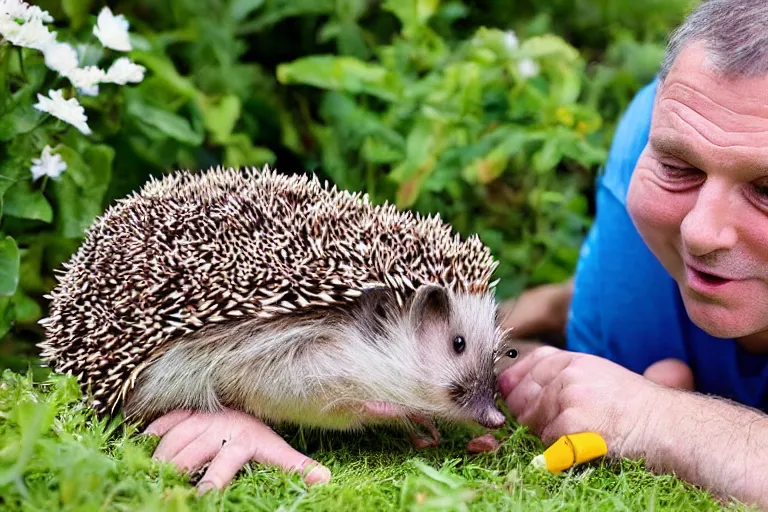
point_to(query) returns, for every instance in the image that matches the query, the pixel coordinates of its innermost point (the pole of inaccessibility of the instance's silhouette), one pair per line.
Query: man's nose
(708, 226)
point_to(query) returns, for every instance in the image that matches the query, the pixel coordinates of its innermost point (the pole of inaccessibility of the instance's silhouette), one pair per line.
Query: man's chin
(720, 320)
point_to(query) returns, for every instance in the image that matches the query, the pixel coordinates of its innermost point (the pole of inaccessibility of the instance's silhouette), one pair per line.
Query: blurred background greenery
(497, 114)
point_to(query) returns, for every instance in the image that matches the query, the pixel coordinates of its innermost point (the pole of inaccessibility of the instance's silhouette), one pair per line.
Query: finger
(550, 367)
(201, 450)
(277, 452)
(544, 408)
(521, 398)
(269, 449)
(230, 459)
(512, 376)
(166, 422)
(567, 422)
(180, 436)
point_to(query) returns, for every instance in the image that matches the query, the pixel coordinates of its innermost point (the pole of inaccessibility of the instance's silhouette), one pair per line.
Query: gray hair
(734, 32)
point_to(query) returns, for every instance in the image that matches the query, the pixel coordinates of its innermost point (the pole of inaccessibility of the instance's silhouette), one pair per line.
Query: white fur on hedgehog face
(433, 360)
(458, 356)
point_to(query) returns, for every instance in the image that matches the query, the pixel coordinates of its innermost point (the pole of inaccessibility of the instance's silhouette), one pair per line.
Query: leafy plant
(487, 132)
(495, 116)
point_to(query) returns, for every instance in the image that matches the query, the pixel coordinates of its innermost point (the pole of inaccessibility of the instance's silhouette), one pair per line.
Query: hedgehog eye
(512, 353)
(459, 344)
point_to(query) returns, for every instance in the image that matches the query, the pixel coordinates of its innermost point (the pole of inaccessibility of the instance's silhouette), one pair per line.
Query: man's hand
(229, 439)
(555, 392)
(710, 442)
(539, 311)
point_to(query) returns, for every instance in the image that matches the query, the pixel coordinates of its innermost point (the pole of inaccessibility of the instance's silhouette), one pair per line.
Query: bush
(495, 116)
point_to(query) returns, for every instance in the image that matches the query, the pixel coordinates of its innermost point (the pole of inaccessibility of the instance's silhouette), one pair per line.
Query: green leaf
(27, 310)
(163, 69)
(163, 124)
(379, 152)
(220, 118)
(20, 120)
(76, 11)
(548, 156)
(13, 170)
(549, 45)
(341, 74)
(30, 278)
(100, 158)
(80, 190)
(9, 266)
(22, 201)
(354, 122)
(33, 418)
(276, 11)
(240, 9)
(491, 165)
(76, 208)
(412, 13)
(240, 152)
(7, 315)
(423, 146)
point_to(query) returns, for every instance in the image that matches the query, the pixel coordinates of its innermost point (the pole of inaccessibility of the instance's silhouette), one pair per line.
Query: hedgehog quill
(280, 297)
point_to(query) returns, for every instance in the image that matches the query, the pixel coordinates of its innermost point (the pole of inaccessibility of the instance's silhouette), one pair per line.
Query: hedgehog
(280, 296)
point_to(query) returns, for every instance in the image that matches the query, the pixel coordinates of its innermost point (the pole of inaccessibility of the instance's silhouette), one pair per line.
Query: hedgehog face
(458, 335)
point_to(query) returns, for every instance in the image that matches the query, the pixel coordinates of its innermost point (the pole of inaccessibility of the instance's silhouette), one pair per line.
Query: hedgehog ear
(431, 304)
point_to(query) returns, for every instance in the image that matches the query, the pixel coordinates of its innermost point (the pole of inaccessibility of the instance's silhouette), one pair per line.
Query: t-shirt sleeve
(611, 233)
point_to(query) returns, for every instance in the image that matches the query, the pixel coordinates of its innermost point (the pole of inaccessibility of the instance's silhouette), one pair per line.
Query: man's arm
(706, 441)
(538, 311)
(713, 443)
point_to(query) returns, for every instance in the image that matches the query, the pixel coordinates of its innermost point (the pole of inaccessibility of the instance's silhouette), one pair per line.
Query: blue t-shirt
(627, 308)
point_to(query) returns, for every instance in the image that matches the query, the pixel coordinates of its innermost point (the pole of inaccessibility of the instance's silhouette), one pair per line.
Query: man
(670, 295)
(671, 291)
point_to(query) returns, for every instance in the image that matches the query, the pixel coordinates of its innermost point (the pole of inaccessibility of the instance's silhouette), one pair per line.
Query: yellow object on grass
(570, 450)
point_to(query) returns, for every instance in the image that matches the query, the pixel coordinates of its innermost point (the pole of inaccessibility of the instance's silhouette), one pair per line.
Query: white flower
(112, 30)
(69, 110)
(18, 10)
(30, 34)
(47, 165)
(60, 57)
(90, 90)
(510, 39)
(87, 79)
(528, 68)
(123, 71)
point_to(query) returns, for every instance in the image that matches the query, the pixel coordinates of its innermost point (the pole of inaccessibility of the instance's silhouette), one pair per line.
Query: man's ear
(430, 304)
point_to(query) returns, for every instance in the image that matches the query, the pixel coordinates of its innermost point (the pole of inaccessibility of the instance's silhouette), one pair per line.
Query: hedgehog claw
(421, 441)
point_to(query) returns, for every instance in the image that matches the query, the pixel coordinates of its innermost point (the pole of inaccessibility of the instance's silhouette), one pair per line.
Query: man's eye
(673, 171)
(680, 176)
(760, 189)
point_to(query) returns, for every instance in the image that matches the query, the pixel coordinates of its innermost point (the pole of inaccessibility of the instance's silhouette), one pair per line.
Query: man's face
(699, 195)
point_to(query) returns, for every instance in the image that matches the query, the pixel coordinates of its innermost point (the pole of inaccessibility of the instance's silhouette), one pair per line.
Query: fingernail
(319, 474)
(204, 487)
(506, 384)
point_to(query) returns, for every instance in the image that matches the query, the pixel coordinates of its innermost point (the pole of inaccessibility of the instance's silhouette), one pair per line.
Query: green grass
(55, 455)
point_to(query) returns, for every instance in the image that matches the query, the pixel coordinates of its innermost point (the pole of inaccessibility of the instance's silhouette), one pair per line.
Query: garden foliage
(497, 115)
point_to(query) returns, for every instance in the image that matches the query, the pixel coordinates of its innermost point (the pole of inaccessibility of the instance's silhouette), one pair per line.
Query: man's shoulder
(625, 306)
(629, 140)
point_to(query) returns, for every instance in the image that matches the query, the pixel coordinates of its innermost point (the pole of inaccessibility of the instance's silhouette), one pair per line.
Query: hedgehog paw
(420, 441)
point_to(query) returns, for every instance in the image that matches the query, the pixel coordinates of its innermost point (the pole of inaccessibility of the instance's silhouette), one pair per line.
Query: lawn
(54, 455)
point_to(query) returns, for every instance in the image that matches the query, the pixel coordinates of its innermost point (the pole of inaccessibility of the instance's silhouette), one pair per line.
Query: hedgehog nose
(492, 418)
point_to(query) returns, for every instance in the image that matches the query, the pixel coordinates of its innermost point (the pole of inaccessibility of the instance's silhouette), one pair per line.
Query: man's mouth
(710, 278)
(702, 281)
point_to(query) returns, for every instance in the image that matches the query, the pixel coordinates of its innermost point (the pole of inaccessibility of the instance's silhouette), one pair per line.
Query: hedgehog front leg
(420, 441)
(377, 409)
(229, 439)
